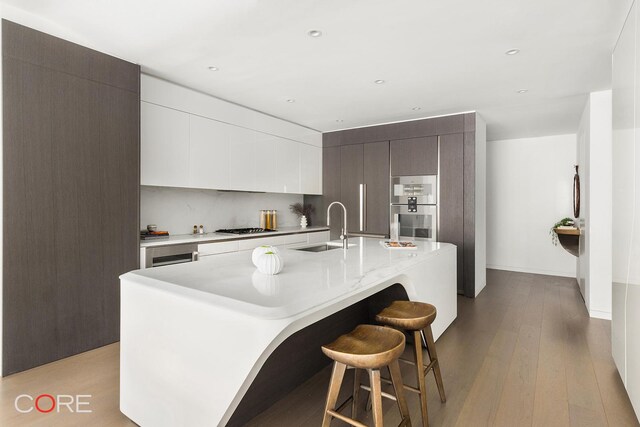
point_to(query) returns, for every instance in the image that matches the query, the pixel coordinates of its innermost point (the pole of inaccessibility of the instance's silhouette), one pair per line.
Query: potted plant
(304, 213)
(564, 222)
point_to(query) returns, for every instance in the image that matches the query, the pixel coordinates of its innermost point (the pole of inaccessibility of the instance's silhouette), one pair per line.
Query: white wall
(529, 188)
(177, 210)
(594, 151)
(481, 205)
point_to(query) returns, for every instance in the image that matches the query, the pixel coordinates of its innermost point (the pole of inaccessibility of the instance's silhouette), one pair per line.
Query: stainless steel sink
(319, 248)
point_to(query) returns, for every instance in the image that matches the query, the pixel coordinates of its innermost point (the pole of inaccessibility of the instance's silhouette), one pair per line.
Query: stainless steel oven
(157, 256)
(414, 209)
(419, 189)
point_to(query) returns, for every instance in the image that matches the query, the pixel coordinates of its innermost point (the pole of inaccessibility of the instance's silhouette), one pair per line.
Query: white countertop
(194, 336)
(219, 237)
(308, 279)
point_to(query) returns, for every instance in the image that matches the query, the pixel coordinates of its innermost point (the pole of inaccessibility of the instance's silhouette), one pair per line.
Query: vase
(270, 263)
(259, 251)
(303, 221)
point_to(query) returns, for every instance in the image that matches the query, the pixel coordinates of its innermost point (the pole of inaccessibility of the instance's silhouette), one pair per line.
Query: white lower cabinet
(319, 237)
(215, 248)
(295, 239)
(250, 244)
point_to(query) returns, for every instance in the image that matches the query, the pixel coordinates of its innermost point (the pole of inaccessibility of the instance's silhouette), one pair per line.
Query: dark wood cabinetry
(351, 182)
(71, 154)
(364, 187)
(331, 190)
(376, 191)
(414, 156)
(445, 146)
(451, 220)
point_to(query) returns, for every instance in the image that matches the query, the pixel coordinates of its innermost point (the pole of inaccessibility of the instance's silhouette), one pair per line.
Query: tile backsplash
(177, 210)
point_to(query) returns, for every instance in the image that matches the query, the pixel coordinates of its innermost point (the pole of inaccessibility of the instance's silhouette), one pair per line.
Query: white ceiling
(443, 56)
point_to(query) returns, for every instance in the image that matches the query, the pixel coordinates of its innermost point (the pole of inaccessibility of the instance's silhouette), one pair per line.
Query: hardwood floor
(524, 352)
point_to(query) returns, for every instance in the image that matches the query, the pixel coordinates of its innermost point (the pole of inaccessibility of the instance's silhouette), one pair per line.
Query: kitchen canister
(259, 251)
(270, 263)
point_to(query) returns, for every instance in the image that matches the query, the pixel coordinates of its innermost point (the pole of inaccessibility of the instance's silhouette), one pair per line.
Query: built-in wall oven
(414, 207)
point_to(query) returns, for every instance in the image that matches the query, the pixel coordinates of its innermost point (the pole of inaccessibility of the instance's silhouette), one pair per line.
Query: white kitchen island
(195, 336)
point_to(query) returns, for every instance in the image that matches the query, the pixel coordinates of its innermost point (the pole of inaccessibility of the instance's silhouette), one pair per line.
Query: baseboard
(532, 270)
(597, 314)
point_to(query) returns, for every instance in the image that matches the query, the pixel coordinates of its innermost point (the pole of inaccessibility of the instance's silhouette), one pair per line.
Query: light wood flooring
(523, 353)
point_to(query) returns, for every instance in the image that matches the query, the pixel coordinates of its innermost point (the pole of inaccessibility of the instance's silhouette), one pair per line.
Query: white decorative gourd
(259, 251)
(270, 263)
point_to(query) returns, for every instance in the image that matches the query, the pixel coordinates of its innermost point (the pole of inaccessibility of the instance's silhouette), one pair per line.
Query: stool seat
(408, 315)
(367, 347)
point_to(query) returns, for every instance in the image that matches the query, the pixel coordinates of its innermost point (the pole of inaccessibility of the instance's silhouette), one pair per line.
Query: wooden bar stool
(366, 347)
(417, 317)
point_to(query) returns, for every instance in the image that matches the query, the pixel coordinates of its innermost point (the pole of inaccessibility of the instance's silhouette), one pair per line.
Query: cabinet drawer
(245, 245)
(293, 239)
(217, 248)
(319, 237)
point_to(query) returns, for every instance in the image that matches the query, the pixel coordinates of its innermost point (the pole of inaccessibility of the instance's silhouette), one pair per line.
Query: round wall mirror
(576, 194)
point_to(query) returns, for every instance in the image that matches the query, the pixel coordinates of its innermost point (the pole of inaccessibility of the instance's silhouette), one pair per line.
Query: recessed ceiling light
(213, 68)
(512, 52)
(523, 91)
(416, 108)
(291, 100)
(314, 33)
(379, 82)
(339, 120)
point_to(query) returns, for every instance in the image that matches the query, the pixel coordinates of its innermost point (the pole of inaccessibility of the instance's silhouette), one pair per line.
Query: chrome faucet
(343, 233)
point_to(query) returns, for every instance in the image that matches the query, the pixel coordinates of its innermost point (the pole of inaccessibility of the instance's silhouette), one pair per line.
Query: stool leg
(396, 379)
(417, 351)
(334, 388)
(376, 396)
(356, 392)
(433, 356)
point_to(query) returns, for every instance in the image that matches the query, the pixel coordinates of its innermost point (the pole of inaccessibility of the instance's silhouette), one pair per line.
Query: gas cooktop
(243, 230)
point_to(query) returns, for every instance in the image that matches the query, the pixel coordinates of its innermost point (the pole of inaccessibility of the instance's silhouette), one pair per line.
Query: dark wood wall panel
(71, 195)
(451, 198)
(38, 48)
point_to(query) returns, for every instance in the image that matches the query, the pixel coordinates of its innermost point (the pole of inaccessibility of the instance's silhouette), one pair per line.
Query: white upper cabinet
(208, 153)
(287, 172)
(310, 169)
(164, 146)
(266, 168)
(197, 141)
